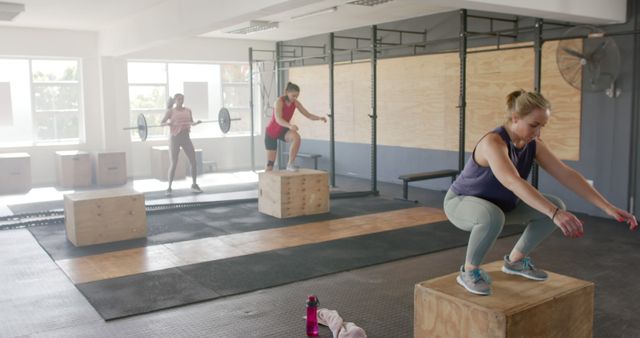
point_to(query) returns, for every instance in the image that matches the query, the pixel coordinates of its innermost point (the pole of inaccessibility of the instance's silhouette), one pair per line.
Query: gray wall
(606, 126)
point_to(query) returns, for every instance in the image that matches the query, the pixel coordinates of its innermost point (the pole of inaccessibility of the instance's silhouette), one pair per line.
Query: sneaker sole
(459, 280)
(518, 273)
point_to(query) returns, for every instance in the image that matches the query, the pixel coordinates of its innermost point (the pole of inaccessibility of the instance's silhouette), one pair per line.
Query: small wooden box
(286, 194)
(160, 162)
(558, 307)
(74, 169)
(104, 216)
(111, 168)
(15, 173)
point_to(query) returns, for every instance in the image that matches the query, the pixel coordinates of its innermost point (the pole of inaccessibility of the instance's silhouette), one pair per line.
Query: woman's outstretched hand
(323, 119)
(570, 225)
(623, 216)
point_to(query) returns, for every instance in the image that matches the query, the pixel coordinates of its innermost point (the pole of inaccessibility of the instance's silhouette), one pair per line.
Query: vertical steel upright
(537, 78)
(279, 80)
(253, 143)
(374, 112)
(462, 101)
(633, 202)
(332, 137)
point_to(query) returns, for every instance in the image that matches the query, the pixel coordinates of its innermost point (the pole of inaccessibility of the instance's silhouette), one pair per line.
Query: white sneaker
(292, 167)
(195, 188)
(168, 192)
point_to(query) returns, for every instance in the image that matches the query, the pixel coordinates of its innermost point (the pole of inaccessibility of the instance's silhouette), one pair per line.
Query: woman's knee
(293, 136)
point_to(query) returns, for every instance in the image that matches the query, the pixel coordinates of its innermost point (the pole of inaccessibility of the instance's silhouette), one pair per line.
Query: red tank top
(274, 129)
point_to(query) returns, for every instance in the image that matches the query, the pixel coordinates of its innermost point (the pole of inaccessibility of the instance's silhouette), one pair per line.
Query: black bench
(424, 176)
(314, 157)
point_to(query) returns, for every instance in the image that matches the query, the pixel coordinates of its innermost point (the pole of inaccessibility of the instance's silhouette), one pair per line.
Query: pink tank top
(180, 120)
(274, 129)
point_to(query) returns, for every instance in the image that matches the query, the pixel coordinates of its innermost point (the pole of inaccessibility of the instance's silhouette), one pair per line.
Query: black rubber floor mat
(121, 297)
(189, 224)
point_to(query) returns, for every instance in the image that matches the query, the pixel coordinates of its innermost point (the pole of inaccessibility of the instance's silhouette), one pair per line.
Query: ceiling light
(314, 13)
(9, 10)
(254, 27)
(369, 3)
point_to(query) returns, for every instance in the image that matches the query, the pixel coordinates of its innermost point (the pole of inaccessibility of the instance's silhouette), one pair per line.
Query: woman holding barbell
(280, 127)
(180, 121)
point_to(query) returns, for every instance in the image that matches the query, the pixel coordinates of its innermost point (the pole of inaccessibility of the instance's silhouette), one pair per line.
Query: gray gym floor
(39, 301)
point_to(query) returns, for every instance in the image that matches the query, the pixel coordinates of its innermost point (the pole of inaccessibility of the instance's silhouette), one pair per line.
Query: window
(235, 94)
(56, 100)
(147, 95)
(42, 101)
(206, 87)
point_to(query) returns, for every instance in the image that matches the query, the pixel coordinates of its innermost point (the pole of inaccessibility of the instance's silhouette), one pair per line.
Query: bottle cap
(312, 301)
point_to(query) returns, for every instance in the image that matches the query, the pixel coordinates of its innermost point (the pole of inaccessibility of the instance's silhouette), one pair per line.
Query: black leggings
(272, 143)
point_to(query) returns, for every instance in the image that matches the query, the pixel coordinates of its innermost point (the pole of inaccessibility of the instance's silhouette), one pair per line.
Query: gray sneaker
(475, 281)
(524, 268)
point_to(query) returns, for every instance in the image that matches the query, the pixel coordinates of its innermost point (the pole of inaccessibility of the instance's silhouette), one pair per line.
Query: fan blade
(598, 51)
(573, 52)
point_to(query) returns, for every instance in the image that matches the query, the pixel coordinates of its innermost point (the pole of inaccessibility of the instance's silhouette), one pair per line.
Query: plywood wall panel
(418, 98)
(562, 133)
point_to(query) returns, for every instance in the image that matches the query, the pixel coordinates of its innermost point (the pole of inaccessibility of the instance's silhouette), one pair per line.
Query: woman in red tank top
(281, 128)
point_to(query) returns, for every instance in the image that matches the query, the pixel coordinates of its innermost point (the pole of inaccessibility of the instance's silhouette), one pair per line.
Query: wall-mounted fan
(590, 63)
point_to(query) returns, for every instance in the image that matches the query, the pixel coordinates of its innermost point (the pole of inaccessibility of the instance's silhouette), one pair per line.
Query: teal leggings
(485, 221)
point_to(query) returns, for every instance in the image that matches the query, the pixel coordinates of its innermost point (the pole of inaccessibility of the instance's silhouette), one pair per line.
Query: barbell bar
(224, 121)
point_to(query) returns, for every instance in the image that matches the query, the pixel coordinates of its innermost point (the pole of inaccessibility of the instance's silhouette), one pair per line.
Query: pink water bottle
(312, 316)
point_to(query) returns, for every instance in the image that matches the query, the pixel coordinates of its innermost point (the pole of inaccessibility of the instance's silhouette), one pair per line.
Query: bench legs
(405, 189)
(315, 163)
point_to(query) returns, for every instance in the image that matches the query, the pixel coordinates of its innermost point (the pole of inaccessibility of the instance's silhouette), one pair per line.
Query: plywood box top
(510, 294)
(71, 152)
(103, 193)
(300, 172)
(110, 152)
(14, 155)
(160, 147)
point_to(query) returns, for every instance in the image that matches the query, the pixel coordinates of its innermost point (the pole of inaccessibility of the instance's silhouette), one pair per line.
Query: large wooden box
(74, 169)
(160, 162)
(104, 216)
(286, 194)
(558, 307)
(15, 173)
(111, 168)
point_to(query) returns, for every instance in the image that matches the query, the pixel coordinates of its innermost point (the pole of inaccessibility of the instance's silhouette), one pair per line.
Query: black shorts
(272, 143)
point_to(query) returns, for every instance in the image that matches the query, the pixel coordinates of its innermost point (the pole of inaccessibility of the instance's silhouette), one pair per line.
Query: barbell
(224, 121)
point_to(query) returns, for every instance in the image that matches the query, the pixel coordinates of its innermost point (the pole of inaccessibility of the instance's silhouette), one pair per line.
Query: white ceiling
(85, 15)
(127, 25)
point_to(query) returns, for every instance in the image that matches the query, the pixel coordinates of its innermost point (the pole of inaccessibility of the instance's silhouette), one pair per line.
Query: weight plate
(224, 119)
(142, 127)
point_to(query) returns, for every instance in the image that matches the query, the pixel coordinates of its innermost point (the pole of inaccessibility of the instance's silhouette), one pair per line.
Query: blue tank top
(480, 182)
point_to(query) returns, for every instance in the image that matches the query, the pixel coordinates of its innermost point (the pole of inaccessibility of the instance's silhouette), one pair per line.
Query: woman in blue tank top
(492, 190)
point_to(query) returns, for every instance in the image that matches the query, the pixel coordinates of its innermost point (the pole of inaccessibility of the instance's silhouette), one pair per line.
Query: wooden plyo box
(286, 194)
(74, 169)
(111, 168)
(558, 307)
(160, 162)
(104, 216)
(15, 173)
